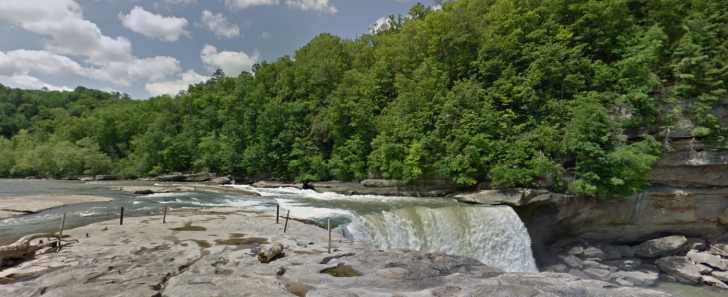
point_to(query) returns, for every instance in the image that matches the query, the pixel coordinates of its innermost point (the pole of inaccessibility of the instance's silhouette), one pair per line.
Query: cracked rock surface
(214, 253)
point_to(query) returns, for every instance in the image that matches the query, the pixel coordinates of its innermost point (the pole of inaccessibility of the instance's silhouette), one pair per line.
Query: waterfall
(493, 235)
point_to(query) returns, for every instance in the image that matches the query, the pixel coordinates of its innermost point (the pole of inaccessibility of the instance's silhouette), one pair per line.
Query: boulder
(639, 278)
(721, 275)
(173, 177)
(222, 180)
(598, 274)
(593, 252)
(708, 259)
(625, 264)
(611, 252)
(512, 197)
(712, 281)
(276, 184)
(681, 268)
(626, 251)
(573, 262)
(662, 246)
(577, 250)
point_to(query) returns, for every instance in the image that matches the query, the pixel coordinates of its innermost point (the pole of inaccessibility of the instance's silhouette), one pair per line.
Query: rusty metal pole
(121, 221)
(164, 218)
(286, 226)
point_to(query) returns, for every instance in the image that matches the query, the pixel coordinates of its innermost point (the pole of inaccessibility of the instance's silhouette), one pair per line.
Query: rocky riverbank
(214, 253)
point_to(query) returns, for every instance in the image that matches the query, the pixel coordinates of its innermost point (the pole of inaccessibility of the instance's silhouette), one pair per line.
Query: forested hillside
(522, 93)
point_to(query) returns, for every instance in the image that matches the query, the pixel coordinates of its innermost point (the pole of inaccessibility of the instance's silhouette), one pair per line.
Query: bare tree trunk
(22, 248)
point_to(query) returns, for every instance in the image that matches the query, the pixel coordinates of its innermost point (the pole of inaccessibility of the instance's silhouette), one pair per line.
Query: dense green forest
(526, 93)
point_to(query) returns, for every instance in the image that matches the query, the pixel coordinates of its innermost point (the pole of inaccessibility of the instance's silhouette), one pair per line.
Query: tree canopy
(516, 92)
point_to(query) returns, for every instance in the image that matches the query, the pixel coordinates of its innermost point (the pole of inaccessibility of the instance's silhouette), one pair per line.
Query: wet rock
(712, 281)
(593, 252)
(573, 262)
(626, 251)
(577, 250)
(625, 264)
(681, 268)
(661, 246)
(639, 278)
(708, 259)
(600, 274)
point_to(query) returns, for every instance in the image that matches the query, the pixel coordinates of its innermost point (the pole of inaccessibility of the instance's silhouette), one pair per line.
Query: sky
(152, 47)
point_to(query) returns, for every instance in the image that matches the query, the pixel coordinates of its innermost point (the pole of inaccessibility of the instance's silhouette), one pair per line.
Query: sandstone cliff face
(689, 196)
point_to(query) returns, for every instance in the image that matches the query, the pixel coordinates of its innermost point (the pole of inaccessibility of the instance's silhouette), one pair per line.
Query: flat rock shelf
(18, 206)
(213, 252)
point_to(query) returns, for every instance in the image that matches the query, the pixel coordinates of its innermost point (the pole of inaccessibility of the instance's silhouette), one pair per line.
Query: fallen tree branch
(22, 247)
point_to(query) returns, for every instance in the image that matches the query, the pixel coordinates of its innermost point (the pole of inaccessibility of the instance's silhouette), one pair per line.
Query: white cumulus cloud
(320, 5)
(218, 24)
(167, 28)
(174, 86)
(72, 37)
(232, 63)
(243, 4)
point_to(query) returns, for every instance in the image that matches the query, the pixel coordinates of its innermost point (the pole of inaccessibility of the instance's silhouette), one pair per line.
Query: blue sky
(147, 48)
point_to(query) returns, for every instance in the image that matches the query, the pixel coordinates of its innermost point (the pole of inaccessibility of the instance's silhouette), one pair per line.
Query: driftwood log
(269, 252)
(22, 247)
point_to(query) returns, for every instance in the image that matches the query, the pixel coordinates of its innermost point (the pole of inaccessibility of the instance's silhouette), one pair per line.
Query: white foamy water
(493, 235)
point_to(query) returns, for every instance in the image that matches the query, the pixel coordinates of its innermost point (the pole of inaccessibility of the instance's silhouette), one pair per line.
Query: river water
(493, 235)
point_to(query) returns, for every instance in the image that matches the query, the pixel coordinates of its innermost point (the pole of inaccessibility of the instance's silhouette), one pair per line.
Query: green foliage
(521, 93)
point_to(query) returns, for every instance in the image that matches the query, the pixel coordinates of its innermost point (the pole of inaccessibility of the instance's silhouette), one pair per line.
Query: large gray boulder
(573, 262)
(708, 259)
(662, 246)
(681, 268)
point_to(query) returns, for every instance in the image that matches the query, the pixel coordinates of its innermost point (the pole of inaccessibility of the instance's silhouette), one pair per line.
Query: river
(493, 235)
